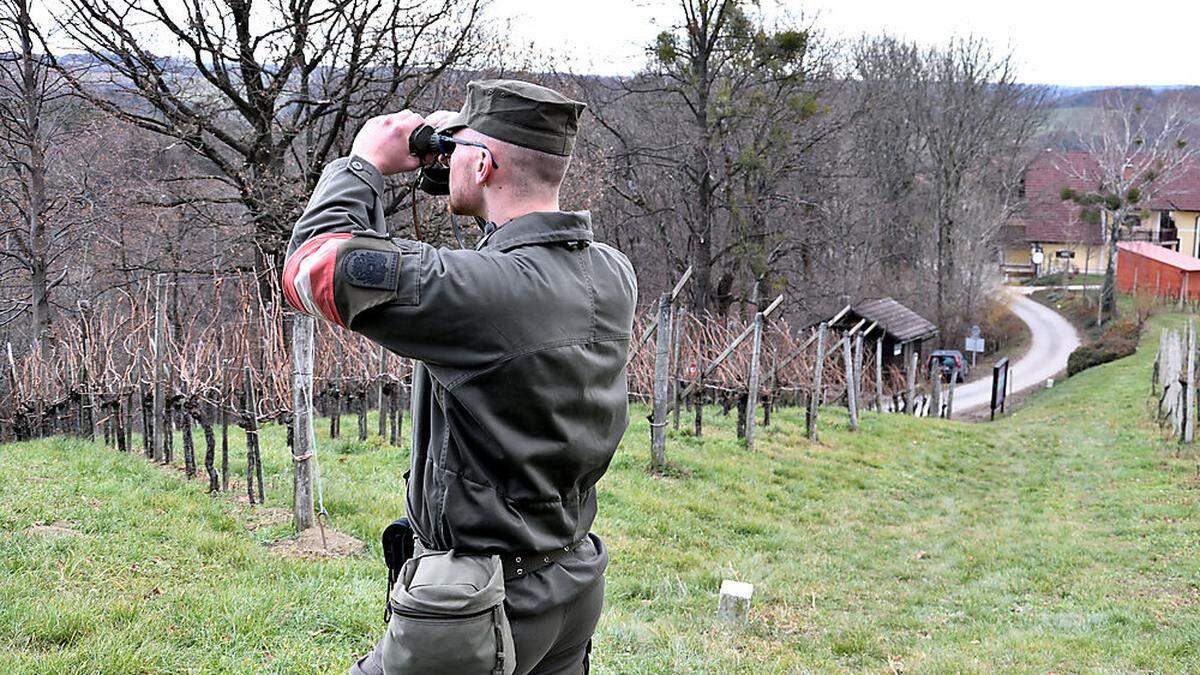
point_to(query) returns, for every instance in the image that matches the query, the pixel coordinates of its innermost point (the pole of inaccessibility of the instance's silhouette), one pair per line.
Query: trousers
(557, 641)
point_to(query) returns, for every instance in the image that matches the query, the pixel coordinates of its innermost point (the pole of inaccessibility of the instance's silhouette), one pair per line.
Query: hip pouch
(447, 616)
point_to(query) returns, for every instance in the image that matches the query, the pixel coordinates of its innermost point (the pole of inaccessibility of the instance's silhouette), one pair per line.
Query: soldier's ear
(482, 165)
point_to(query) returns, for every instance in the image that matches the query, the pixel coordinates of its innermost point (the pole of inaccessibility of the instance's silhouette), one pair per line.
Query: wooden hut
(900, 328)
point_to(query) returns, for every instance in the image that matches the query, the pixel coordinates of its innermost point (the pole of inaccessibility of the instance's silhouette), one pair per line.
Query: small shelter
(900, 328)
(1144, 266)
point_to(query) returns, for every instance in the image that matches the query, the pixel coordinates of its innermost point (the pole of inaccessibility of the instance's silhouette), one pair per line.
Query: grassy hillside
(1062, 538)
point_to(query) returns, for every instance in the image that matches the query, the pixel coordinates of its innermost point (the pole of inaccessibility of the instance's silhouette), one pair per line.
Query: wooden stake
(752, 389)
(381, 401)
(662, 366)
(879, 375)
(160, 367)
(814, 398)
(935, 380)
(950, 394)
(911, 380)
(303, 437)
(851, 393)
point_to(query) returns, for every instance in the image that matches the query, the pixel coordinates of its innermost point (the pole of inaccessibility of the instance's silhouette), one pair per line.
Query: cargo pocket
(448, 617)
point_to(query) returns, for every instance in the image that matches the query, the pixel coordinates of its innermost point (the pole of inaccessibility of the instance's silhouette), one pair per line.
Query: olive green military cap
(521, 113)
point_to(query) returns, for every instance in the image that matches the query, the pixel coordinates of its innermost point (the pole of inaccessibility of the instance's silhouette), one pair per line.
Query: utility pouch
(398, 544)
(447, 616)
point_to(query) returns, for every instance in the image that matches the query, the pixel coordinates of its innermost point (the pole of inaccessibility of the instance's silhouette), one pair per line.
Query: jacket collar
(540, 227)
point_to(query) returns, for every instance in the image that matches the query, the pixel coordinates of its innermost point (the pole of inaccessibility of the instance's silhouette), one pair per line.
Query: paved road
(1053, 339)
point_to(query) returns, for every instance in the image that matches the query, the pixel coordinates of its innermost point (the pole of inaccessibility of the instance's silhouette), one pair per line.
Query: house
(1142, 265)
(900, 328)
(1056, 229)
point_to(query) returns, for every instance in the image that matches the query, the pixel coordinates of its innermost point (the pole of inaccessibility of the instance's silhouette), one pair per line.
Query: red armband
(308, 276)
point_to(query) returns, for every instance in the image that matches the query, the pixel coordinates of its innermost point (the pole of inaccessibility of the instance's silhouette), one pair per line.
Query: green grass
(1061, 538)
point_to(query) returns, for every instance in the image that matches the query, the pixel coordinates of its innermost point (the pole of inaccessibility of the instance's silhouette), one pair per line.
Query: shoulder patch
(366, 268)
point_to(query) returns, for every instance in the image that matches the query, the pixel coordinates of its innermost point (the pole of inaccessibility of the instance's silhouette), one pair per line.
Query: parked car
(945, 360)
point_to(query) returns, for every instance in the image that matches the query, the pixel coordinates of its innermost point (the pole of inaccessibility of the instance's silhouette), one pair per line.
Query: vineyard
(124, 372)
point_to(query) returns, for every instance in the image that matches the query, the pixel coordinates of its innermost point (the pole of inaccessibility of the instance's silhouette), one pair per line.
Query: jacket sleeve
(416, 300)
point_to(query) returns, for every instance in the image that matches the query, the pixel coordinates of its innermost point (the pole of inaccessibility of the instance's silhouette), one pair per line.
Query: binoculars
(434, 178)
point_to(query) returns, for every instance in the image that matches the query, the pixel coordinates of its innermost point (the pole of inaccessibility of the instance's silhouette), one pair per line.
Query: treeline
(764, 158)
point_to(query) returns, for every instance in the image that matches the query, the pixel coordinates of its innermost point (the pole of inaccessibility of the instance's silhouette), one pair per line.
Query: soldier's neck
(502, 213)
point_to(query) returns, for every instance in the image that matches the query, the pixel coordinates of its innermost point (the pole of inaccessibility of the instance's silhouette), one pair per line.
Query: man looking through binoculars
(519, 393)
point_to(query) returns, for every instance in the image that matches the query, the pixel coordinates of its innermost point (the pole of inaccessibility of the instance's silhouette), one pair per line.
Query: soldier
(519, 393)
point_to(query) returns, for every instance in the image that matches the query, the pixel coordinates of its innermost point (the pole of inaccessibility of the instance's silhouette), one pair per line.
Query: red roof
(1047, 218)
(1181, 194)
(1166, 256)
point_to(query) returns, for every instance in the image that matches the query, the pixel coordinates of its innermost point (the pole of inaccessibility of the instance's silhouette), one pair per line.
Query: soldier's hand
(439, 117)
(383, 141)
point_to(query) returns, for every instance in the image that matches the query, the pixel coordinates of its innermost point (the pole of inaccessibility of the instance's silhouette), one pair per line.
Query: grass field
(1061, 539)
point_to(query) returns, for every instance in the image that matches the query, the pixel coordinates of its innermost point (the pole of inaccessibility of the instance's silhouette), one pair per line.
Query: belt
(517, 565)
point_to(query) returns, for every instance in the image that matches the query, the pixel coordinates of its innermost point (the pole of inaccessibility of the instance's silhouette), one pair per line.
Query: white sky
(1054, 41)
(1065, 42)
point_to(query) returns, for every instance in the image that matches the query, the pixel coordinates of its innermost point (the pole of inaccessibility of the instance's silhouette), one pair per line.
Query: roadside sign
(1000, 375)
(975, 344)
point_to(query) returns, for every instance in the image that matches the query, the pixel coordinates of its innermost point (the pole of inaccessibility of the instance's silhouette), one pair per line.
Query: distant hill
(1092, 97)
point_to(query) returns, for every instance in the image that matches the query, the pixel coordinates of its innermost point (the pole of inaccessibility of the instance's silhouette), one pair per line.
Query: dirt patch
(309, 544)
(59, 528)
(258, 517)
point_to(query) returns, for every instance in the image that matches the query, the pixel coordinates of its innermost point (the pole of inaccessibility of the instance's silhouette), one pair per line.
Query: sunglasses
(445, 146)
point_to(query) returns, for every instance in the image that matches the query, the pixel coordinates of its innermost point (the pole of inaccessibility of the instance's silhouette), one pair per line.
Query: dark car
(945, 360)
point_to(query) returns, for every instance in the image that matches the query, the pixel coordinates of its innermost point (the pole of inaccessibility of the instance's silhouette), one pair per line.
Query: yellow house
(1050, 234)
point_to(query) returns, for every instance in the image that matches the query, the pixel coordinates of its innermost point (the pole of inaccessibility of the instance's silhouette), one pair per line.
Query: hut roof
(900, 322)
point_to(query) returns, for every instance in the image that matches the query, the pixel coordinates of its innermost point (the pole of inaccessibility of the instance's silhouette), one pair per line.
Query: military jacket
(519, 398)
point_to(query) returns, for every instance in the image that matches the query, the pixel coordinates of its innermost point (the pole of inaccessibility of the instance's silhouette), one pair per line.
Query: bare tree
(265, 93)
(34, 117)
(942, 146)
(975, 113)
(1135, 154)
(718, 75)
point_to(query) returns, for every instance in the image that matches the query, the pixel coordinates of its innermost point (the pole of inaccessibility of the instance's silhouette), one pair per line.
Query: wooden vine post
(303, 437)
(950, 393)
(935, 381)
(814, 394)
(858, 370)
(879, 375)
(662, 366)
(752, 387)
(911, 382)
(250, 422)
(381, 389)
(160, 367)
(851, 387)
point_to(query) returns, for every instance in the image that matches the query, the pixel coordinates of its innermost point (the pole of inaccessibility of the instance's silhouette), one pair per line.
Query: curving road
(1053, 338)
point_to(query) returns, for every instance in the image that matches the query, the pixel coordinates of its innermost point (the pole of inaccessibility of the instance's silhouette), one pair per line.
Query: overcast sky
(1064, 42)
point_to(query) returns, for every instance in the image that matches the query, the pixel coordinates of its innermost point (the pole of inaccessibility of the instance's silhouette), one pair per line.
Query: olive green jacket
(520, 398)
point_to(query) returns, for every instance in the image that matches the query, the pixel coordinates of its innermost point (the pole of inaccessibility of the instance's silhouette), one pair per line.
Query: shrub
(1093, 355)
(1119, 340)
(1000, 326)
